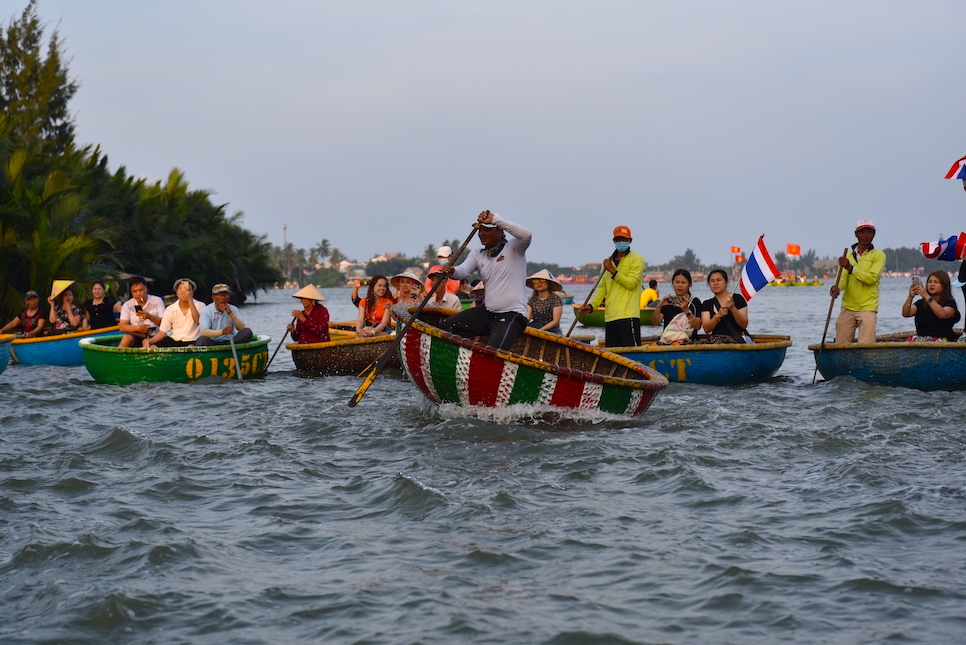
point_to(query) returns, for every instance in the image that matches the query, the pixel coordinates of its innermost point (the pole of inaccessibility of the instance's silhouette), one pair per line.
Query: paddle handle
(378, 365)
(279, 346)
(828, 319)
(234, 354)
(586, 300)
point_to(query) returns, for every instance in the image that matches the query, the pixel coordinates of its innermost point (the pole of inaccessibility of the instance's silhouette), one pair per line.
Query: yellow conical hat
(59, 286)
(309, 291)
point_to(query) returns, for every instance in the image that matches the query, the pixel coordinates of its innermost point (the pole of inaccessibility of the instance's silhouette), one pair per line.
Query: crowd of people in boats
(144, 319)
(500, 305)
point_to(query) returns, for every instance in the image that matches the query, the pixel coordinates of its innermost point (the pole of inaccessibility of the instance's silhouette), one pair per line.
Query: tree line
(65, 215)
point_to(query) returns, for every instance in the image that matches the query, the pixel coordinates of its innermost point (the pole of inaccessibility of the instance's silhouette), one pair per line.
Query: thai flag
(758, 271)
(958, 170)
(950, 249)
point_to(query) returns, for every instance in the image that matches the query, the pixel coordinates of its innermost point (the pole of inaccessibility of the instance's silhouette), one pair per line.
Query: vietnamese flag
(793, 250)
(736, 249)
(739, 259)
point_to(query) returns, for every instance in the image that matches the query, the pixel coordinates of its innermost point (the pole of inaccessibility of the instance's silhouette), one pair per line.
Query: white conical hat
(544, 274)
(405, 274)
(309, 291)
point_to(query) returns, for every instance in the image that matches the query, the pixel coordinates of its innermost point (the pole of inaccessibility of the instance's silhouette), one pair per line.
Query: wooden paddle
(589, 295)
(827, 320)
(234, 353)
(380, 363)
(279, 345)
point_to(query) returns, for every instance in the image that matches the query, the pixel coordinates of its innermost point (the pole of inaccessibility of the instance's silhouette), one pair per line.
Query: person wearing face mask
(444, 256)
(621, 285)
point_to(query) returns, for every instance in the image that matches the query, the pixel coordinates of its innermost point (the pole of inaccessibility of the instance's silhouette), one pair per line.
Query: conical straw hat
(309, 291)
(405, 274)
(59, 286)
(544, 274)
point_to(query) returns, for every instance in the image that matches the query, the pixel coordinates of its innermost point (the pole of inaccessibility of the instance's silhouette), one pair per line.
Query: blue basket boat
(712, 364)
(893, 361)
(5, 350)
(63, 350)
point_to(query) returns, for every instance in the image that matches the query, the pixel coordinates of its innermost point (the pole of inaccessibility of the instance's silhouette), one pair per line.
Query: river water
(270, 512)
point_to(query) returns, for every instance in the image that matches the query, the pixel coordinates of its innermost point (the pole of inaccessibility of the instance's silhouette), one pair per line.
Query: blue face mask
(443, 261)
(622, 247)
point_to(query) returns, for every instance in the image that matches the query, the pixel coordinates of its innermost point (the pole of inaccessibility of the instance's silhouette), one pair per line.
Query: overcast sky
(387, 126)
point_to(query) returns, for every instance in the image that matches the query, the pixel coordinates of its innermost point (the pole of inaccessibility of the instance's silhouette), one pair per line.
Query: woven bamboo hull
(596, 318)
(896, 363)
(108, 363)
(713, 364)
(344, 354)
(541, 369)
(63, 350)
(5, 350)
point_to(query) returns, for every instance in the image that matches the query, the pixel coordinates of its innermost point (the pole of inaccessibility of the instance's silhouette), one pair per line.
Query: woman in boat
(936, 311)
(31, 320)
(724, 316)
(682, 302)
(100, 307)
(407, 288)
(312, 324)
(544, 308)
(65, 316)
(375, 309)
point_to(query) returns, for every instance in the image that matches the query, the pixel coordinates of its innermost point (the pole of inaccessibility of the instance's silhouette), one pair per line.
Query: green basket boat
(596, 318)
(108, 363)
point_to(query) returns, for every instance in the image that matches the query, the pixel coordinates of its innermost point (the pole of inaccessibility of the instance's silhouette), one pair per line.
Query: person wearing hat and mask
(312, 324)
(180, 325)
(621, 284)
(502, 264)
(444, 257)
(220, 323)
(544, 308)
(141, 314)
(859, 285)
(30, 320)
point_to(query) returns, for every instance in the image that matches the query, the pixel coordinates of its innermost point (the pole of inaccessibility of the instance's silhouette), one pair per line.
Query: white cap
(444, 252)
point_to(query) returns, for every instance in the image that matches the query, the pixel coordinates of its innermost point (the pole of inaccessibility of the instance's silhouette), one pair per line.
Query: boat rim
(74, 334)
(94, 344)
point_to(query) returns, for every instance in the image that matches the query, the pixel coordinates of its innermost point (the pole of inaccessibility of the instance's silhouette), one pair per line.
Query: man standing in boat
(622, 285)
(141, 315)
(502, 263)
(220, 323)
(859, 283)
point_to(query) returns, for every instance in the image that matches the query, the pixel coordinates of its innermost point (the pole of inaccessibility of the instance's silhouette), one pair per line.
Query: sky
(386, 126)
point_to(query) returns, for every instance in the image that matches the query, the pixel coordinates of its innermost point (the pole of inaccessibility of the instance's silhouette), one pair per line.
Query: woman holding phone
(936, 311)
(680, 302)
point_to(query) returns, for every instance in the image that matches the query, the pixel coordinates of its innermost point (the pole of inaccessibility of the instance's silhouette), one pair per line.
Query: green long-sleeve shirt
(623, 291)
(860, 287)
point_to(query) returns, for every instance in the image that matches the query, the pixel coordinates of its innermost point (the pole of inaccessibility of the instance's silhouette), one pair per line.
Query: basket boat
(730, 364)
(62, 350)
(566, 298)
(596, 317)
(541, 369)
(108, 363)
(893, 361)
(346, 353)
(5, 350)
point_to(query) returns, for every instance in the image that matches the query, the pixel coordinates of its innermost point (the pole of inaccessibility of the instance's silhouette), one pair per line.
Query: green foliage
(326, 277)
(390, 267)
(35, 89)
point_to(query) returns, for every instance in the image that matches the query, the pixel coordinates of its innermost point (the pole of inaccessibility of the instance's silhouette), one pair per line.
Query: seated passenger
(407, 288)
(220, 323)
(100, 307)
(479, 293)
(936, 312)
(649, 295)
(140, 315)
(724, 317)
(180, 324)
(313, 319)
(444, 257)
(544, 307)
(682, 302)
(375, 309)
(464, 291)
(443, 299)
(30, 320)
(65, 317)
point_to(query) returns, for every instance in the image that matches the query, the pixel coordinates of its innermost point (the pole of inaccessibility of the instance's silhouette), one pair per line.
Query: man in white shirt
(141, 315)
(180, 325)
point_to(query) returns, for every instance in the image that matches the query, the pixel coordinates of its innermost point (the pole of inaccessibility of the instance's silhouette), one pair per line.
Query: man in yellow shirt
(859, 283)
(621, 285)
(651, 294)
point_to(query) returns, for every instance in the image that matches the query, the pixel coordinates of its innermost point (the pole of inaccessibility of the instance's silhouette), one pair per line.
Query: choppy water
(269, 512)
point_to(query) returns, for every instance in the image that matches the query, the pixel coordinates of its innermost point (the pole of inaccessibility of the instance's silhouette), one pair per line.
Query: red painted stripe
(484, 379)
(414, 360)
(567, 392)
